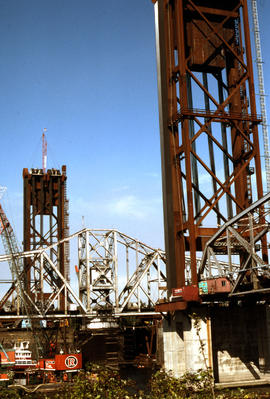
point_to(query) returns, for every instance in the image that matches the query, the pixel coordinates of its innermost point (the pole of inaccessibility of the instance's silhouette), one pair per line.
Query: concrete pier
(233, 341)
(181, 346)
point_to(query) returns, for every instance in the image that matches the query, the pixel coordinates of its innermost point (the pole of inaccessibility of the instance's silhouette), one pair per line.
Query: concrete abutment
(234, 341)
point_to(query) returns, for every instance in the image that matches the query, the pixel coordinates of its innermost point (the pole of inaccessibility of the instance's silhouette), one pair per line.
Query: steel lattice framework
(105, 257)
(209, 126)
(45, 222)
(121, 276)
(117, 275)
(241, 233)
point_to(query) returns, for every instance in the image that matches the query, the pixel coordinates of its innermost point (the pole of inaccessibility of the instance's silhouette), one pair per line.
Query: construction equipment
(44, 151)
(16, 266)
(11, 247)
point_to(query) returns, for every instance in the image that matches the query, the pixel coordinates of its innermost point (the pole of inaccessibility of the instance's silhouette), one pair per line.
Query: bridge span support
(234, 341)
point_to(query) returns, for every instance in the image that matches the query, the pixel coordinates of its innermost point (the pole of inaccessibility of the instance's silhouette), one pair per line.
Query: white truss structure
(242, 232)
(116, 274)
(119, 273)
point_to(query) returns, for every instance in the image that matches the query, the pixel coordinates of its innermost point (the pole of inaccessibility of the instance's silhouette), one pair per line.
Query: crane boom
(44, 151)
(10, 244)
(16, 266)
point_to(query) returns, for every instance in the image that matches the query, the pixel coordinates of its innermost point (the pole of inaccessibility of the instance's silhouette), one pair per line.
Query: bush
(96, 383)
(190, 385)
(7, 393)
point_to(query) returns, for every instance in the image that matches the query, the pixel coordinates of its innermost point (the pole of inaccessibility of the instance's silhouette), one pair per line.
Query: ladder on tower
(259, 62)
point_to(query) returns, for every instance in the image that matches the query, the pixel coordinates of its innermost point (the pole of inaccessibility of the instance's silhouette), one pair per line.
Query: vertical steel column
(26, 227)
(171, 179)
(115, 271)
(88, 279)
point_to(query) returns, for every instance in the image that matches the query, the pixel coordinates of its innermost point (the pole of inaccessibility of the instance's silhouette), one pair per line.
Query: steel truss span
(117, 275)
(209, 131)
(241, 233)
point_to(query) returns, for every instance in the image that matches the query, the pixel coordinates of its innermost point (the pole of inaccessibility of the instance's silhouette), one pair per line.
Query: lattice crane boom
(17, 267)
(10, 243)
(44, 151)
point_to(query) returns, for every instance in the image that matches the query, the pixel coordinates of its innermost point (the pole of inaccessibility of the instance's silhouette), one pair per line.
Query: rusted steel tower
(45, 223)
(209, 125)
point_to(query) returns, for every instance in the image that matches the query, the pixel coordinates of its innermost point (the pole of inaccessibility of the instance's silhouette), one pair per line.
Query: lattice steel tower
(45, 223)
(209, 125)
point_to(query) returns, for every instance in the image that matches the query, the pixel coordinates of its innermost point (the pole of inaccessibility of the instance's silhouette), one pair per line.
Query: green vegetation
(101, 383)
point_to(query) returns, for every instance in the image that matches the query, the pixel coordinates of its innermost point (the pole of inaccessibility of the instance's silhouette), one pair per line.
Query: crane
(16, 265)
(44, 151)
(9, 241)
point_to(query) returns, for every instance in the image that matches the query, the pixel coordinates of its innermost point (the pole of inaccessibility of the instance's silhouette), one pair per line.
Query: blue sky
(86, 71)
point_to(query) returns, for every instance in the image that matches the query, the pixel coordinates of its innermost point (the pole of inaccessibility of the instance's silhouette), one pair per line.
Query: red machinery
(19, 360)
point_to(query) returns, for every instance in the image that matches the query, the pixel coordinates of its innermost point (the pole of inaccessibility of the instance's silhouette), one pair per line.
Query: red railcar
(220, 285)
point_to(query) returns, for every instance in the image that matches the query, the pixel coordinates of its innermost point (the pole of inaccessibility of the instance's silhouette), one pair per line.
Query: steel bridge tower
(45, 223)
(211, 164)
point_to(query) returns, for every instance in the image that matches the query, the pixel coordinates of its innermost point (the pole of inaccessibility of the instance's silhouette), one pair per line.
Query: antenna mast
(259, 62)
(44, 151)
